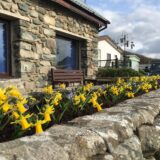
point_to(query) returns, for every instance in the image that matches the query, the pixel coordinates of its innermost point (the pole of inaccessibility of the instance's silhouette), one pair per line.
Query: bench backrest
(67, 76)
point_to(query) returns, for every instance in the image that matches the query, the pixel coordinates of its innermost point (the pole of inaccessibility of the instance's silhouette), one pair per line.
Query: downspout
(103, 28)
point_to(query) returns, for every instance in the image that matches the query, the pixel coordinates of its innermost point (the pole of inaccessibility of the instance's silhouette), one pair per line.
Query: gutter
(103, 28)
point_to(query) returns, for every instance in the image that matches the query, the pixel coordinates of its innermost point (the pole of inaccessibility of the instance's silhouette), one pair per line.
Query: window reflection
(66, 53)
(3, 54)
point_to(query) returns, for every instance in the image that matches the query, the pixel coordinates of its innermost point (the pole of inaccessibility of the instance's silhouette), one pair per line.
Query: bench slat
(67, 76)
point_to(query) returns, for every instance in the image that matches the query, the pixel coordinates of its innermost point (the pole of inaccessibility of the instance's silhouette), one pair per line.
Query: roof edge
(82, 11)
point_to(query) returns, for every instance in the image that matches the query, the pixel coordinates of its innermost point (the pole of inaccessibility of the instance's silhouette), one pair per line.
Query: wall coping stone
(116, 133)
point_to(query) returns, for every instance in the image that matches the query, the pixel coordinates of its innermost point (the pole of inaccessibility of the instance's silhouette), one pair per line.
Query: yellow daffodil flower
(15, 93)
(38, 126)
(15, 115)
(58, 96)
(82, 97)
(21, 108)
(3, 97)
(76, 100)
(24, 123)
(130, 94)
(114, 90)
(62, 86)
(6, 107)
(49, 110)
(48, 90)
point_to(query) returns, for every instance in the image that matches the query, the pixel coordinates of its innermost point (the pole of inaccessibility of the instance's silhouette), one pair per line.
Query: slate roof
(89, 9)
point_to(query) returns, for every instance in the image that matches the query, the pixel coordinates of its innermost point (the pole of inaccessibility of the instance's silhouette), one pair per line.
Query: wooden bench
(67, 76)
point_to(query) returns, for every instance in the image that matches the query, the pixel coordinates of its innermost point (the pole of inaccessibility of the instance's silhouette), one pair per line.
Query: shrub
(142, 72)
(120, 72)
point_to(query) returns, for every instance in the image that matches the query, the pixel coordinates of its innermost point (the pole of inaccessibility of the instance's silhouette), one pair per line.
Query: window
(108, 56)
(67, 53)
(4, 48)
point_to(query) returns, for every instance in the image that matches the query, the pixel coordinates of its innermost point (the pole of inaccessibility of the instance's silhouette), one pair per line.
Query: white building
(108, 51)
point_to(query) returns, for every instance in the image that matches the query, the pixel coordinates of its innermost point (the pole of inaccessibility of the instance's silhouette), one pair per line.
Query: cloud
(141, 23)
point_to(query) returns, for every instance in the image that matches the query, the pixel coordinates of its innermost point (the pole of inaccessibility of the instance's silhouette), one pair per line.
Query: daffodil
(38, 126)
(15, 93)
(6, 107)
(62, 86)
(48, 90)
(49, 110)
(98, 106)
(15, 115)
(76, 100)
(130, 94)
(88, 87)
(3, 97)
(58, 96)
(114, 90)
(21, 107)
(82, 97)
(24, 123)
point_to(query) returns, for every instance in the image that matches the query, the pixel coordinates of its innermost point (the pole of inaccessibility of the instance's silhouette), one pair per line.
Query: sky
(139, 19)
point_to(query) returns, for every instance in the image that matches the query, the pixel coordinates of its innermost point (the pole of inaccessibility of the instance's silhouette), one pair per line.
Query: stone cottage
(37, 35)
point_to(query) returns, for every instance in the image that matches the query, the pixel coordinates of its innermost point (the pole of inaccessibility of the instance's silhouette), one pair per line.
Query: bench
(67, 76)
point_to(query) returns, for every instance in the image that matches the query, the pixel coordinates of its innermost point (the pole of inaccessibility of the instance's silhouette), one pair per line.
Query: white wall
(134, 62)
(104, 48)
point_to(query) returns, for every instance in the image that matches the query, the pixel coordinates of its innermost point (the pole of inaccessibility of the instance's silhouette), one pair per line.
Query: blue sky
(140, 19)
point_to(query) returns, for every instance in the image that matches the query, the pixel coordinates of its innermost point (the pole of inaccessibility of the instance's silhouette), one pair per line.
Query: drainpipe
(103, 28)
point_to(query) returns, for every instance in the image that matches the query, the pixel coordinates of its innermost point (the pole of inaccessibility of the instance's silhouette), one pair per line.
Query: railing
(112, 63)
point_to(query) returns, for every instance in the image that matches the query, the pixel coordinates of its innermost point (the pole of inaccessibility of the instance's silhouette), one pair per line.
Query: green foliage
(142, 72)
(120, 72)
(20, 116)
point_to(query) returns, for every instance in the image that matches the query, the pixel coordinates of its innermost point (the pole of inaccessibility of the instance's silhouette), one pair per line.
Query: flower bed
(21, 116)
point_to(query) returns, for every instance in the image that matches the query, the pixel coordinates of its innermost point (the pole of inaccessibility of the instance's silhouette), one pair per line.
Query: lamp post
(125, 43)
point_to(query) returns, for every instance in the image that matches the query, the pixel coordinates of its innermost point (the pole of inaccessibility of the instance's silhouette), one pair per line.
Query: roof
(86, 7)
(143, 59)
(85, 11)
(111, 42)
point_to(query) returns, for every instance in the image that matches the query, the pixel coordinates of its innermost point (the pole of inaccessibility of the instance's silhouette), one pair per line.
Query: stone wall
(128, 131)
(35, 24)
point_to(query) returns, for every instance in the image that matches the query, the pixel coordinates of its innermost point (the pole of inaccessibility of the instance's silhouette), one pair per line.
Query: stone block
(49, 32)
(44, 70)
(34, 14)
(27, 36)
(14, 8)
(46, 50)
(27, 67)
(129, 150)
(45, 63)
(37, 22)
(49, 57)
(29, 86)
(49, 20)
(23, 6)
(25, 46)
(6, 5)
(28, 55)
(51, 43)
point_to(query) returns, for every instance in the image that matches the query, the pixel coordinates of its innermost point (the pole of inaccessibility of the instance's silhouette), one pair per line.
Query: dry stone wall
(128, 131)
(35, 24)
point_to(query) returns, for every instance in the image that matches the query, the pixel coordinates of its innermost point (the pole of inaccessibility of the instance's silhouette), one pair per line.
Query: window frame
(8, 49)
(77, 41)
